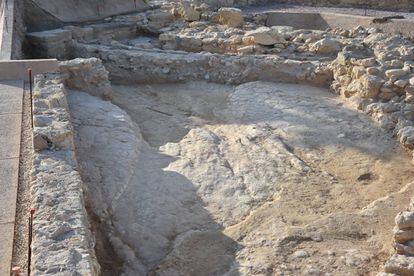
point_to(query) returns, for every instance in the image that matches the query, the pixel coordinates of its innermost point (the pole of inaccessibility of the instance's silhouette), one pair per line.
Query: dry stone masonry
(62, 242)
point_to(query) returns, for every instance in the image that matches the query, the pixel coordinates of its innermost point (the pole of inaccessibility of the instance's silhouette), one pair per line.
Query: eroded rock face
(218, 186)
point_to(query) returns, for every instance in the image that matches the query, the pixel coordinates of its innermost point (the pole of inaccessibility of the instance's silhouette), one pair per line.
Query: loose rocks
(231, 17)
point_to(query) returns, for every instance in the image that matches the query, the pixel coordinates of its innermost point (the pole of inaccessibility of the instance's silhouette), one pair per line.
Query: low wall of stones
(378, 77)
(323, 21)
(398, 5)
(62, 241)
(149, 66)
(57, 43)
(402, 5)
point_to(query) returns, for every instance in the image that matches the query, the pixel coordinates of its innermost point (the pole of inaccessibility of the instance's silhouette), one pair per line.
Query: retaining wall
(11, 29)
(49, 14)
(402, 5)
(62, 241)
(149, 66)
(396, 5)
(322, 21)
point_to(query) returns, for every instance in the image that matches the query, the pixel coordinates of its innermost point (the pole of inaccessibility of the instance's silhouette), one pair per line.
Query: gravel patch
(23, 193)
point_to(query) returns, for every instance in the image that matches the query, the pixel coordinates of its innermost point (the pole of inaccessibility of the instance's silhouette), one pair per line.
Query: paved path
(11, 97)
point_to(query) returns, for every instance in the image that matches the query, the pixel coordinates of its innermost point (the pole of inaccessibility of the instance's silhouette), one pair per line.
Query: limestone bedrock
(226, 180)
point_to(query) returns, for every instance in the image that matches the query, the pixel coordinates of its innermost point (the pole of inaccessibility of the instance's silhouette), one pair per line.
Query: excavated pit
(257, 179)
(182, 175)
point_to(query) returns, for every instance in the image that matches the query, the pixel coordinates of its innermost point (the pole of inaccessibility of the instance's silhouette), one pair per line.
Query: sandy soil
(258, 179)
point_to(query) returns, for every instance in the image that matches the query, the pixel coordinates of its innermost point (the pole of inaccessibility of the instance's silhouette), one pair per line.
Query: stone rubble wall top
(62, 241)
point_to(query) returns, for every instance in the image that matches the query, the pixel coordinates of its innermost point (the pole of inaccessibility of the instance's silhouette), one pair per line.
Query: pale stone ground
(259, 179)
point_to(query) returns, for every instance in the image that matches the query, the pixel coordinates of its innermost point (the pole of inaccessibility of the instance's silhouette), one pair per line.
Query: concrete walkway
(11, 97)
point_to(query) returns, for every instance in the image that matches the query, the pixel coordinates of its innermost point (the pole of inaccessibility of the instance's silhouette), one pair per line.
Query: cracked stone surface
(257, 179)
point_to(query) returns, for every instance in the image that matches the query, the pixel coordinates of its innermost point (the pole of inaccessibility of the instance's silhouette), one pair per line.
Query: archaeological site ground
(203, 138)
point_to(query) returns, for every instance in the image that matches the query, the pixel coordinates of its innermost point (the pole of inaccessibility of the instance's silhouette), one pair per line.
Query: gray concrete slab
(9, 173)
(10, 118)
(6, 246)
(17, 69)
(11, 97)
(10, 135)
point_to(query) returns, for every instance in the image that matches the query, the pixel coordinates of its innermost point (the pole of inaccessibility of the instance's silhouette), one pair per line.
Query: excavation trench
(262, 178)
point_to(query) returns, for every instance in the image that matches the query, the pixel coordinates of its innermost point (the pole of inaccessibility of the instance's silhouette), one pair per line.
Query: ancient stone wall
(145, 66)
(403, 5)
(373, 68)
(378, 77)
(376, 4)
(62, 242)
(46, 13)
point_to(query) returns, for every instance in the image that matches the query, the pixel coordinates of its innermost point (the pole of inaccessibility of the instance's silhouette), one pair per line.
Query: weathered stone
(373, 71)
(285, 31)
(158, 19)
(358, 71)
(406, 249)
(300, 254)
(266, 36)
(405, 220)
(395, 73)
(386, 94)
(409, 89)
(401, 83)
(381, 100)
(401, 236)
(87, 75)
(400, 265)
(249, 49)
(231, 17)
(188, 12)
(368, 62)
(39, 142)
(326, 46)
(61, 225)
(370, 86)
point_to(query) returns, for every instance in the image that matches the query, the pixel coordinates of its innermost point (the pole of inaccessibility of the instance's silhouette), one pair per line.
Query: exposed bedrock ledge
(143, 66)
(62, 241)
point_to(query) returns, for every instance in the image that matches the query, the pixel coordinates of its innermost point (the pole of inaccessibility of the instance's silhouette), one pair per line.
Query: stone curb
(62, 240)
